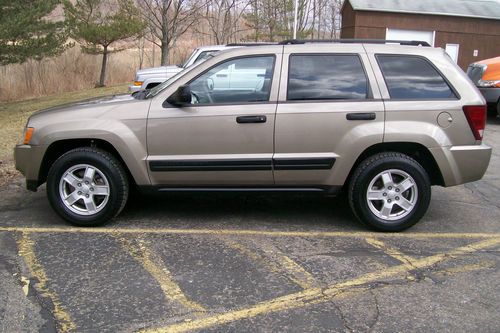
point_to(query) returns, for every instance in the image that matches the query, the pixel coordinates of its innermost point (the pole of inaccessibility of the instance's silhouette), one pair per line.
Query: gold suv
(382, 121)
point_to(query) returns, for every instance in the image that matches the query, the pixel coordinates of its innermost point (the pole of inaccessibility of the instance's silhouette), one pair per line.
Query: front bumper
(462, 164)
(28, 159)
(133, 89)
(491, 95)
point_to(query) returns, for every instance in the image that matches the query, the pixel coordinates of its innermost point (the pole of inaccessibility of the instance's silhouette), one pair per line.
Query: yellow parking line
(239, 232)
(27, 250)
(276, 262)
(296, 272)
(160, 273)
(468, 268)
(260, 260)
(319, 295)
(391, 251)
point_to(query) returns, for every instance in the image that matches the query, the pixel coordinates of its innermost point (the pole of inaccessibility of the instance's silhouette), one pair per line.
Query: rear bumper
(28, 160)
(462, 164)
(491, 95)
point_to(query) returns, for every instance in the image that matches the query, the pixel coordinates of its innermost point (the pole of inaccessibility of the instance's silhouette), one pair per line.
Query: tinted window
(326, 77)
(235, 81)
(410, 77)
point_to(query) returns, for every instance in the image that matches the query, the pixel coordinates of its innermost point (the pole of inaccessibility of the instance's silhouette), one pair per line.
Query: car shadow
(239, 210)
(493, 119)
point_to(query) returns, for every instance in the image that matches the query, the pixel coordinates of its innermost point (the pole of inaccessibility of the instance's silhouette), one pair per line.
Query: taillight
(476, 116)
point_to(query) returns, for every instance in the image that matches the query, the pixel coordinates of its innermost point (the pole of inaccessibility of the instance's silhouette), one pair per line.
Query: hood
(97, 101)
(159, 70)
(103, 108)
(492, 71)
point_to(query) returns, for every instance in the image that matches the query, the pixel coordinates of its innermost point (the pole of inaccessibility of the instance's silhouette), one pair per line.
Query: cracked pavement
(215, 263)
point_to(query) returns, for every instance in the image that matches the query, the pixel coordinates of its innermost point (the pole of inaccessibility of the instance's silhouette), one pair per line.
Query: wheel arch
(58, 148)
(416, 151)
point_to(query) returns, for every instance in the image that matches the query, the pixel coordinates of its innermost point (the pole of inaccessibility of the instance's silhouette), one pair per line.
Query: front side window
(241, 80)
(413, 77)
(326, 76)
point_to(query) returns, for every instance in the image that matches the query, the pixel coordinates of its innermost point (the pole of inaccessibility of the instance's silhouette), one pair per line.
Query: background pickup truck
(486, 76)
(151, 77)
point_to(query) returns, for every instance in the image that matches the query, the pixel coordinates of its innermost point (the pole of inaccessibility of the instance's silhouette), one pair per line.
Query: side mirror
(181, 97)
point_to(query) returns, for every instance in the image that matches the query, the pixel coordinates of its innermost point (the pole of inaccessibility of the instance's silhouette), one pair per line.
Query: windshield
(184, 65)
(156, 90)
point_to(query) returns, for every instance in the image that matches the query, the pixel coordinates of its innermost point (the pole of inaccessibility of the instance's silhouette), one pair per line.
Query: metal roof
(488, 9)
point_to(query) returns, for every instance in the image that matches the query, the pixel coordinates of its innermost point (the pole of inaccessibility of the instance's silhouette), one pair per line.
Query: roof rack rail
(252, 44)
(348, 40)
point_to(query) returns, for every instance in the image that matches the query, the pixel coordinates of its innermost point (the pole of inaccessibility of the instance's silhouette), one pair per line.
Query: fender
(121, 121)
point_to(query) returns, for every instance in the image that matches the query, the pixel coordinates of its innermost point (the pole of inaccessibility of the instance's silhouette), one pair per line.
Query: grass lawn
(13, 117)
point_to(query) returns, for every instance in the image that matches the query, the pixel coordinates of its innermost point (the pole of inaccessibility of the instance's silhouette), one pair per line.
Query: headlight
(488, 83)
(138, 83)
(28, 134)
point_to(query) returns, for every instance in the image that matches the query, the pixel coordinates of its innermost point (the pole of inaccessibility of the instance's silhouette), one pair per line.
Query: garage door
(400, 34)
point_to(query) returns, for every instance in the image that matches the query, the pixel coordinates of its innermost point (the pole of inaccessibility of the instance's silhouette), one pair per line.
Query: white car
(151, 77)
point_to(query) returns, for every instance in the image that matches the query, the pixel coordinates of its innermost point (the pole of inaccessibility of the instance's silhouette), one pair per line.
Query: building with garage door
(469, 30)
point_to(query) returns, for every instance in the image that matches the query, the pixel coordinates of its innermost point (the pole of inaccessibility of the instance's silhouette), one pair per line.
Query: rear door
(329, 111)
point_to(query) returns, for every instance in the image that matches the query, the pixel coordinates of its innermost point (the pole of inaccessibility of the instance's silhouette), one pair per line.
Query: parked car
(382, 122)
(486, 76)
(151, 77)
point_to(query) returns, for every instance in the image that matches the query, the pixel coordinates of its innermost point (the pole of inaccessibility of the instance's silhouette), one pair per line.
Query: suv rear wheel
(389, 191)
(87, 186)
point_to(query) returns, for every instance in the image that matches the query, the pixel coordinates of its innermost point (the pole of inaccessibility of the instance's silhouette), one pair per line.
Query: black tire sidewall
(363, 179)
(102, 162)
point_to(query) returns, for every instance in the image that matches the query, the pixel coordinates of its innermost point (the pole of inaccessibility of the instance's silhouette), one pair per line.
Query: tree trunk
(164, 34)
(164, 53)
(314, 18)
(103, 67)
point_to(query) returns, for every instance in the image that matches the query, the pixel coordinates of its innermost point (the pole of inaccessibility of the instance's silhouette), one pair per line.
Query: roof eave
(423, 13)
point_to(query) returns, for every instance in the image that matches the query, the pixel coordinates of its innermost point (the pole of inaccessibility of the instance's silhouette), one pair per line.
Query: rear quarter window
(326, 77)
(413, 77)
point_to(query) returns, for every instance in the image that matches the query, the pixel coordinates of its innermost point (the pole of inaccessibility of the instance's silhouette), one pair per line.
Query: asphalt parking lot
(253, 263)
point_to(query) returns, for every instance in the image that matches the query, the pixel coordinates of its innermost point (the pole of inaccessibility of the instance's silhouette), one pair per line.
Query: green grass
(13, 117)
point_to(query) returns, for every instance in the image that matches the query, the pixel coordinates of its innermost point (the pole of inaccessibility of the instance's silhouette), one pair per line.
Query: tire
(394, 203)
(94, 184)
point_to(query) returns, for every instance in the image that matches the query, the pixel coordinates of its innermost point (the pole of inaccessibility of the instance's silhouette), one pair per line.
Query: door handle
(221, 75)
(251, 119)
(361, 116)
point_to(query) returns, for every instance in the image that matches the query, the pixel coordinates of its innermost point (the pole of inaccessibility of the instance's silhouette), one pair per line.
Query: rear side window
(411, 77)
(326, 76)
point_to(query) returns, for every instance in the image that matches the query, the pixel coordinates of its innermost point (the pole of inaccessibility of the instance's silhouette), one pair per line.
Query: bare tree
(333, 17)
(168, 20)
(273, 19)
(223, 19)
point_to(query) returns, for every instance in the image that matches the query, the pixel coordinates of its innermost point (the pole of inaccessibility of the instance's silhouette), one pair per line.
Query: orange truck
(486, 76)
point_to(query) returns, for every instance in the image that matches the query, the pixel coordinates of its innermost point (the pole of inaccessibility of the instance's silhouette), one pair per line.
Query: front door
(225, 136)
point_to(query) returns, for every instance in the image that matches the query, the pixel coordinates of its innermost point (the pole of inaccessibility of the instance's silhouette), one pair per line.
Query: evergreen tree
(97, 24)
(26, 33)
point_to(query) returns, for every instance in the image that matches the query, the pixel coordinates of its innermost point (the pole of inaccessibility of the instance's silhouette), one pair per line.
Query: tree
(97, 24)
(223, 18)
(26, 33)
(168, 20)
(273, 19)
(333, 17)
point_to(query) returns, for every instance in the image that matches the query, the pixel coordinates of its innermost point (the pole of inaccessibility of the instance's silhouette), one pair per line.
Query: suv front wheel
(389, 191)
(87, 186)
